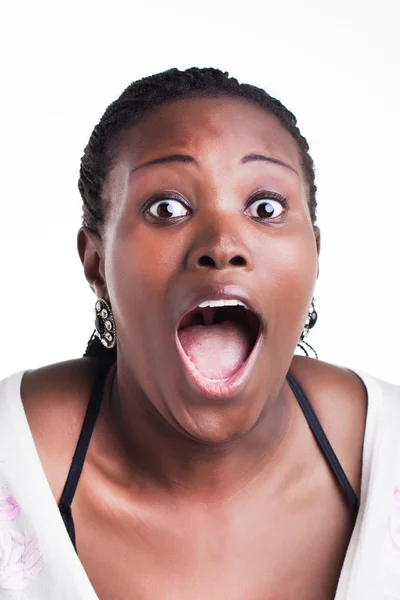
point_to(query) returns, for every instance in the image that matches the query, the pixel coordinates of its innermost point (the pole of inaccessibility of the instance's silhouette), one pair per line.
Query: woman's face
(196, 227)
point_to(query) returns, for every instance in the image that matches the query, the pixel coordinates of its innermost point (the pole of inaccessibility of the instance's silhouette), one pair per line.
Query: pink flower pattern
(9, 508)
(394, 519)
(20, 555)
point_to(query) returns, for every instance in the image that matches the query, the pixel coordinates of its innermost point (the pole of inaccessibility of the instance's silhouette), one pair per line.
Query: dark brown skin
(182, 497)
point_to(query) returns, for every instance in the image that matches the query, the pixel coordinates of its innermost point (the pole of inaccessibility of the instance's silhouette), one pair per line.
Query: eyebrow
(261, 157)
(186, 158)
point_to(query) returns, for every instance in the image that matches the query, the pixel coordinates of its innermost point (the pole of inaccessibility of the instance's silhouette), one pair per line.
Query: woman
(210, 462)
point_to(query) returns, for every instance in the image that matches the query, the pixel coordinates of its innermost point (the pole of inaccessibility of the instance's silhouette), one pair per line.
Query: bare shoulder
(339, 398)
(56, 389)
(55, 399)
(326, 381)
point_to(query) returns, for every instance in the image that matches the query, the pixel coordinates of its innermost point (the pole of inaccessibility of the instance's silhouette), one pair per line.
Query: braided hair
(146, 94)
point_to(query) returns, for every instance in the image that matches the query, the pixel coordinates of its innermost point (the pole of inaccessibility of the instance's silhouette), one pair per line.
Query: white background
(336, 65)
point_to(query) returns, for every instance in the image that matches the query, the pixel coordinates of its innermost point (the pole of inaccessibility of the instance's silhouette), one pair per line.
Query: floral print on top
(9, 508)
(20, 554)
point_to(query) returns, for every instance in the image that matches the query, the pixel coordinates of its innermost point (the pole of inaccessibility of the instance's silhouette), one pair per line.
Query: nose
(218, 247)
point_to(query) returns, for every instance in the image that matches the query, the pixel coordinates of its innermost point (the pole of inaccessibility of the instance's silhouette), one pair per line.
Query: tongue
(217, 351)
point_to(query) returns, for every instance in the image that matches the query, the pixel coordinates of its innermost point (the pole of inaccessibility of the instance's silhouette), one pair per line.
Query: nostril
(206, 261)
(238, 261)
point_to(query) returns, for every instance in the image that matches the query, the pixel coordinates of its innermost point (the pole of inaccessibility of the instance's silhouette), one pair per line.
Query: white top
(38, 561)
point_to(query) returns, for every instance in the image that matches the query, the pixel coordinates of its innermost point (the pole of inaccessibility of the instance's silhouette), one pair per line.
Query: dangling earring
(309, 324)
(104, 323)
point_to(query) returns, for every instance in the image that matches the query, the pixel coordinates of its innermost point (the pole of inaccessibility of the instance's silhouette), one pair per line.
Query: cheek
(130, 250)
(289, 275)
(138, 269)
(150, 256)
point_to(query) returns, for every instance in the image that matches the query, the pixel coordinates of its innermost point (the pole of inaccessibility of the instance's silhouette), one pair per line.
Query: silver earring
(309, 324)
(105, 325)
(311, 320)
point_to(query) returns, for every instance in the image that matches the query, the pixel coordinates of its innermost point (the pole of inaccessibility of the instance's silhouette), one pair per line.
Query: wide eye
(167, 209)
(266, 208)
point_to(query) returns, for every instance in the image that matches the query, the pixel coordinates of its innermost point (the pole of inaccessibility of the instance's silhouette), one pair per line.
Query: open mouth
(218, 340)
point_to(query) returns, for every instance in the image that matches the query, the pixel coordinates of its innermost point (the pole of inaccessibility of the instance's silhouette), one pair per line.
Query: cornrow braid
(146, 94)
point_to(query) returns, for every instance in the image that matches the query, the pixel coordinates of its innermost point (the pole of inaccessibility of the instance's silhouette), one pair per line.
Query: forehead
(201, 126)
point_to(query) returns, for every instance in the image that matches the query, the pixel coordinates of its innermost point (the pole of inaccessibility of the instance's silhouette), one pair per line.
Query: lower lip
(220, 389)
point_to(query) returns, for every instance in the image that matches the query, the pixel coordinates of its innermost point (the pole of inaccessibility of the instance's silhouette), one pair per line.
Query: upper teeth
(213, 303)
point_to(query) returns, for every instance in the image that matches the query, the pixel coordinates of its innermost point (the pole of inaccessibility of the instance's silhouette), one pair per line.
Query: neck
(138, 446)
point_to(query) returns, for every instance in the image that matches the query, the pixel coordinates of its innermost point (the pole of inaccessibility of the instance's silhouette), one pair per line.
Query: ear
(317, 233)
(90, 249)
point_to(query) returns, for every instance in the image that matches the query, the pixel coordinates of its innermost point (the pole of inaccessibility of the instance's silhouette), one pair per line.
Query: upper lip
(218, 292)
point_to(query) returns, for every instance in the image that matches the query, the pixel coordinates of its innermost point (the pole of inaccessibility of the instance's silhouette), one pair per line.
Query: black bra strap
(323, 442)
(90, 421)
(80, 452)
